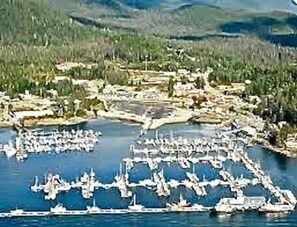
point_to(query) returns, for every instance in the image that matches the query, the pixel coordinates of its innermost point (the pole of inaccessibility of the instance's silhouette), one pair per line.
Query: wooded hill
(190, 22)
(32, 22)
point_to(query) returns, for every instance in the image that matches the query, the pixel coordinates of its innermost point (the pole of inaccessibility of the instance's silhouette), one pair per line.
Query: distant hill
(251, 5)
(194, 22)
(259, 5)
(32, 22)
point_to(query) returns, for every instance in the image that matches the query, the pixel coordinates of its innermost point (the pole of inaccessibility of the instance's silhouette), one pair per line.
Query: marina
(187, 179)
(213, 151)
(28, 142)
(60, 210)
(87, 184)
(219, 145)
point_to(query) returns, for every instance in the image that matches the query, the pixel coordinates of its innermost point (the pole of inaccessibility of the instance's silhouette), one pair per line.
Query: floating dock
(29, 142)
(186, 153)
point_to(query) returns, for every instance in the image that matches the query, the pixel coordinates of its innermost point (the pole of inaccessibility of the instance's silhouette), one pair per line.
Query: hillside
(32, 22)
(43, 37)
(194, 22)
(267, 5)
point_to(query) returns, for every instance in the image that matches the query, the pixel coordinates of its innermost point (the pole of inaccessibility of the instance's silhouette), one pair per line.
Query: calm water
(16, 178)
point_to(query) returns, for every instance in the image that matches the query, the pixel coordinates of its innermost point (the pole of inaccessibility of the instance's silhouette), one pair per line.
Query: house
(26, 96)
(66, 66)
(169, 74)
(233, 89)
(183, 72)
(80, 82)
(61, 78)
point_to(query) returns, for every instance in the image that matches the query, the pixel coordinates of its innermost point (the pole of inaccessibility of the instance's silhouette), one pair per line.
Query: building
(33, 114)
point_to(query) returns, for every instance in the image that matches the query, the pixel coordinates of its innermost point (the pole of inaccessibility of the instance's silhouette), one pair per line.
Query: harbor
(59, 210)
(185, 153)
(28, 142)
(181, 173)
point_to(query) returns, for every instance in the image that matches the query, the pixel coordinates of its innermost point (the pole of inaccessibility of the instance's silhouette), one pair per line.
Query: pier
(186, 153)
(22, 213)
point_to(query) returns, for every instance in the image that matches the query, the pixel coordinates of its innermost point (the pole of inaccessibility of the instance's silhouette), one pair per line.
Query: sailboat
(35, 187)
(135, 207)
(182, 202)
(93, 209)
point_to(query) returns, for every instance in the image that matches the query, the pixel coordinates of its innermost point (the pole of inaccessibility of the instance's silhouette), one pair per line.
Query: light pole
(146, 56)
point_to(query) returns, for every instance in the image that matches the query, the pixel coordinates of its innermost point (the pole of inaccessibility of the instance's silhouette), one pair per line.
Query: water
(16, 178)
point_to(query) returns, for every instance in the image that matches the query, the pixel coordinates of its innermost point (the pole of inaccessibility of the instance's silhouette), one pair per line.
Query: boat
(220, 209)
(59, 209)
(197, 207)
(16, 212)
(9, 150)
(93, 209)
(276, 208)
(182, 203)
(135, 207)
(35, 187)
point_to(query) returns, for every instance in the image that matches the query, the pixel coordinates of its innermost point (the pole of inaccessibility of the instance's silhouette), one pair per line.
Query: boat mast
(121, 169)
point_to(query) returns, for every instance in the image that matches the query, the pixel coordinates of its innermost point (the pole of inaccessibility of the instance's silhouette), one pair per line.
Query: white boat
(35, 187)
(58, 209)
(197, 207)
(9, 150)
(276, 208)
(215, 183)
(173, 183)
(93, 209)
(16, 212)
(135, 207)
(222, 209)
(182, 202)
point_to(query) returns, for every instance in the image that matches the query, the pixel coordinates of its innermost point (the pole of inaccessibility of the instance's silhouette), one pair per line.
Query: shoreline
(48, 122)
(264, 144)
(55, 122)
(289, 154)
(145, 123)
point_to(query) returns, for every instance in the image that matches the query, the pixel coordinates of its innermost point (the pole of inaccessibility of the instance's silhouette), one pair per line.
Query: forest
(35, 37)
